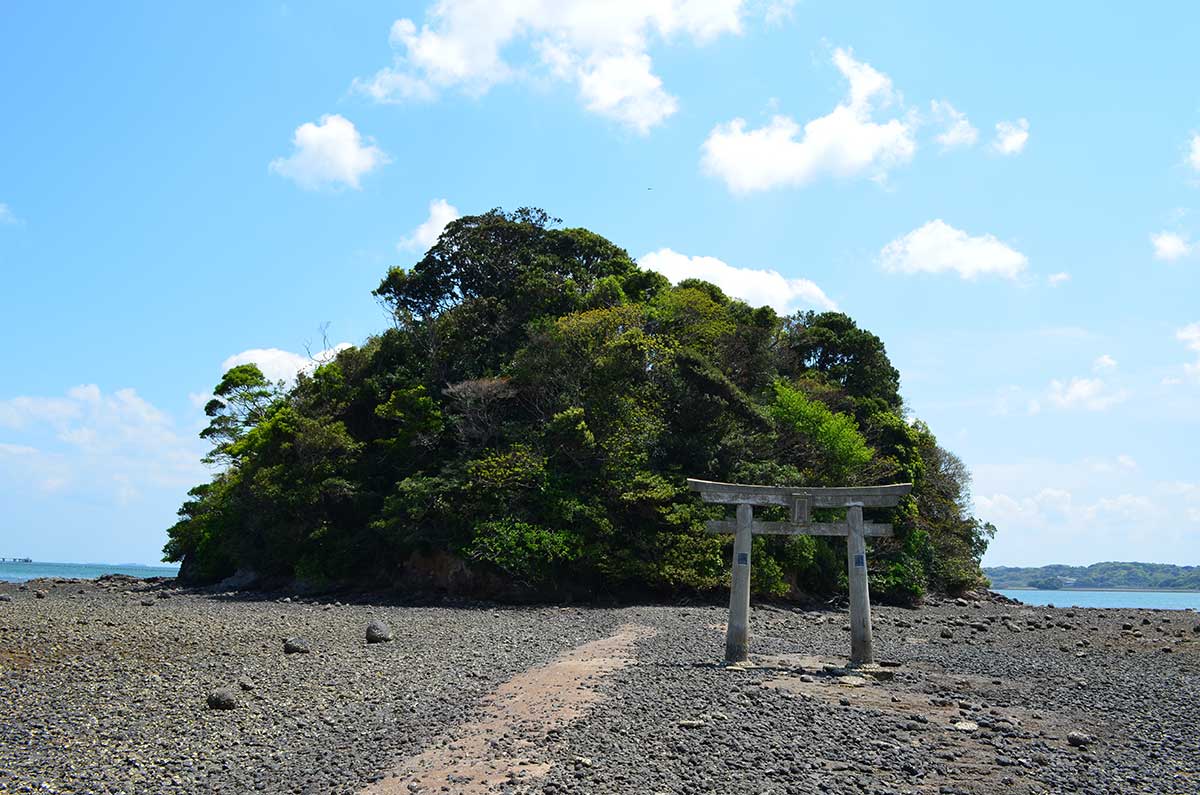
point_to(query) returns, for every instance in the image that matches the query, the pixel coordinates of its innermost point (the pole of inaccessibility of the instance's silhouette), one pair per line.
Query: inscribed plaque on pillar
(860, 561)
(743, 558)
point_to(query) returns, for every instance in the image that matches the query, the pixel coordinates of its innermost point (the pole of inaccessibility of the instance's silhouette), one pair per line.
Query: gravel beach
(120, 686)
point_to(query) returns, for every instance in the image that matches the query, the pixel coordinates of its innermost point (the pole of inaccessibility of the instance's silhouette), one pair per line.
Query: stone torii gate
(800, 500)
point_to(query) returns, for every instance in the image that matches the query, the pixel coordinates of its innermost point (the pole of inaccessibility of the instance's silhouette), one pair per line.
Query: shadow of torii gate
(800, 500)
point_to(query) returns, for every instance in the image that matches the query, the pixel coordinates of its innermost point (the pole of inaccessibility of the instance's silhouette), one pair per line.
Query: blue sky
(1007, 195)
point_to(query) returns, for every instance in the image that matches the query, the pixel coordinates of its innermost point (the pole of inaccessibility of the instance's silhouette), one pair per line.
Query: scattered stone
(966, 726)
(39, 594)
(690, 724)
(222, 698)
(147, 603)
(378, 632)
(295, 645)
(245, 683)
(1079, 739)
(947, 634)
(5, 597)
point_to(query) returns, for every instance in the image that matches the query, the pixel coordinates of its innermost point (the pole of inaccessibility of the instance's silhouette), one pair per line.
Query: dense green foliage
(535, 410)
(1098, 575)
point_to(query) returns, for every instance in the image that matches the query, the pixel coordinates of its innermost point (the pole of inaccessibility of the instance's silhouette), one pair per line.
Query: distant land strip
(1107, 576)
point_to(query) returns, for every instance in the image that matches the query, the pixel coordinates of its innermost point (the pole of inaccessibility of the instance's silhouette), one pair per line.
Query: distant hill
(1098, 575)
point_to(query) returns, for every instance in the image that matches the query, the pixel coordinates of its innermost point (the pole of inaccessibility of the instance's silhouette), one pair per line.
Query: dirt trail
(507, 741)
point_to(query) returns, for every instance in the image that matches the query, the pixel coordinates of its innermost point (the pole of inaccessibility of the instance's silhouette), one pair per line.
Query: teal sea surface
(20, 572)
(1142, 600)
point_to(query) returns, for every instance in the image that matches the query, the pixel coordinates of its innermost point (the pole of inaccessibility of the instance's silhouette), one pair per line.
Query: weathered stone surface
(296, 645)
(378, 632)
(222, 698)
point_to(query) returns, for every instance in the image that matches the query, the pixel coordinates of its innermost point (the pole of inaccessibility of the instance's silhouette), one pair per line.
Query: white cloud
(114, 446)
(441, 212)
(1190, 336)
(624, 88)
(1055, 279)
(1194, 153)
(959, 130)
(1011, 136)
(602, 48)
(1122, 463)
(938, 247)
(329, 153)
(1170, 246)
(6, 215)
(756, 287)
(281, 365)
(1090, 394)
(779, 11)
(1083, 511)
(847, 142)
(1103, 363)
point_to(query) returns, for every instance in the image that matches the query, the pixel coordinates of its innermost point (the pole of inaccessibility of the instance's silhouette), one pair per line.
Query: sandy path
(506, 742)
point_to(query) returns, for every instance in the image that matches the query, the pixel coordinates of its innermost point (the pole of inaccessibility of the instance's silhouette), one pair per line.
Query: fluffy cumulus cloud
(1011, 136)
(1170, 246)
(1087, 394)
(330, 153)
(6, 215)
(846, 142)
(281, 365)
(958, 130)
(1104, 363)
(441, 212)
(109, 446)
(755, 287)
(938, 247)
(600, 48)
(1055, 279)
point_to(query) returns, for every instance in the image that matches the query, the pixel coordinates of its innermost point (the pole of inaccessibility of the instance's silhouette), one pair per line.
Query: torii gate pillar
(861, 650)
(737, 634)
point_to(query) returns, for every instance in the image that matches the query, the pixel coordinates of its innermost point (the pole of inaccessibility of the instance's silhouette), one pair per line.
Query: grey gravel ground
(104, 688)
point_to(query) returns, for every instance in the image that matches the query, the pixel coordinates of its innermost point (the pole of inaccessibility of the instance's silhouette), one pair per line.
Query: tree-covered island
(528, 422)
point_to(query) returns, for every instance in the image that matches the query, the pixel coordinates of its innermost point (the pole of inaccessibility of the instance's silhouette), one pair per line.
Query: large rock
(222, 698)
(5, 597)
(378, 632)
(1080, 739)
(296, 646)
(242, 578)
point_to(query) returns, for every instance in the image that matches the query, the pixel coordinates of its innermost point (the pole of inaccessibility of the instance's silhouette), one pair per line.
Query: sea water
(19, 572)
(1142, 600)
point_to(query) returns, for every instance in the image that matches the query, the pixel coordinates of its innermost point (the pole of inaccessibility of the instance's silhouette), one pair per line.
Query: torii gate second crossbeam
(800, 500)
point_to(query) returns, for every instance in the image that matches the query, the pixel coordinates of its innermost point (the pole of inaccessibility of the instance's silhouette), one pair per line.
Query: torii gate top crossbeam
(818, 497)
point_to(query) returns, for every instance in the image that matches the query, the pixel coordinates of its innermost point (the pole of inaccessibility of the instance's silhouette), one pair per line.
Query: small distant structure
(16, 560)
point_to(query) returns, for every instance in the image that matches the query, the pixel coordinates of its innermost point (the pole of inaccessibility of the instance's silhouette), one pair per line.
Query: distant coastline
(37, 569)
(1108, 575)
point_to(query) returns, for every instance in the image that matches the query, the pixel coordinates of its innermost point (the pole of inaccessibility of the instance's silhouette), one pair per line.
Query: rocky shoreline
(108, 687)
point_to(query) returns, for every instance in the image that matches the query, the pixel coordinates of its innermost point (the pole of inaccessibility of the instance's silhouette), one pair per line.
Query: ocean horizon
(1136, 600)
(21, 572)
(1133, 599)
